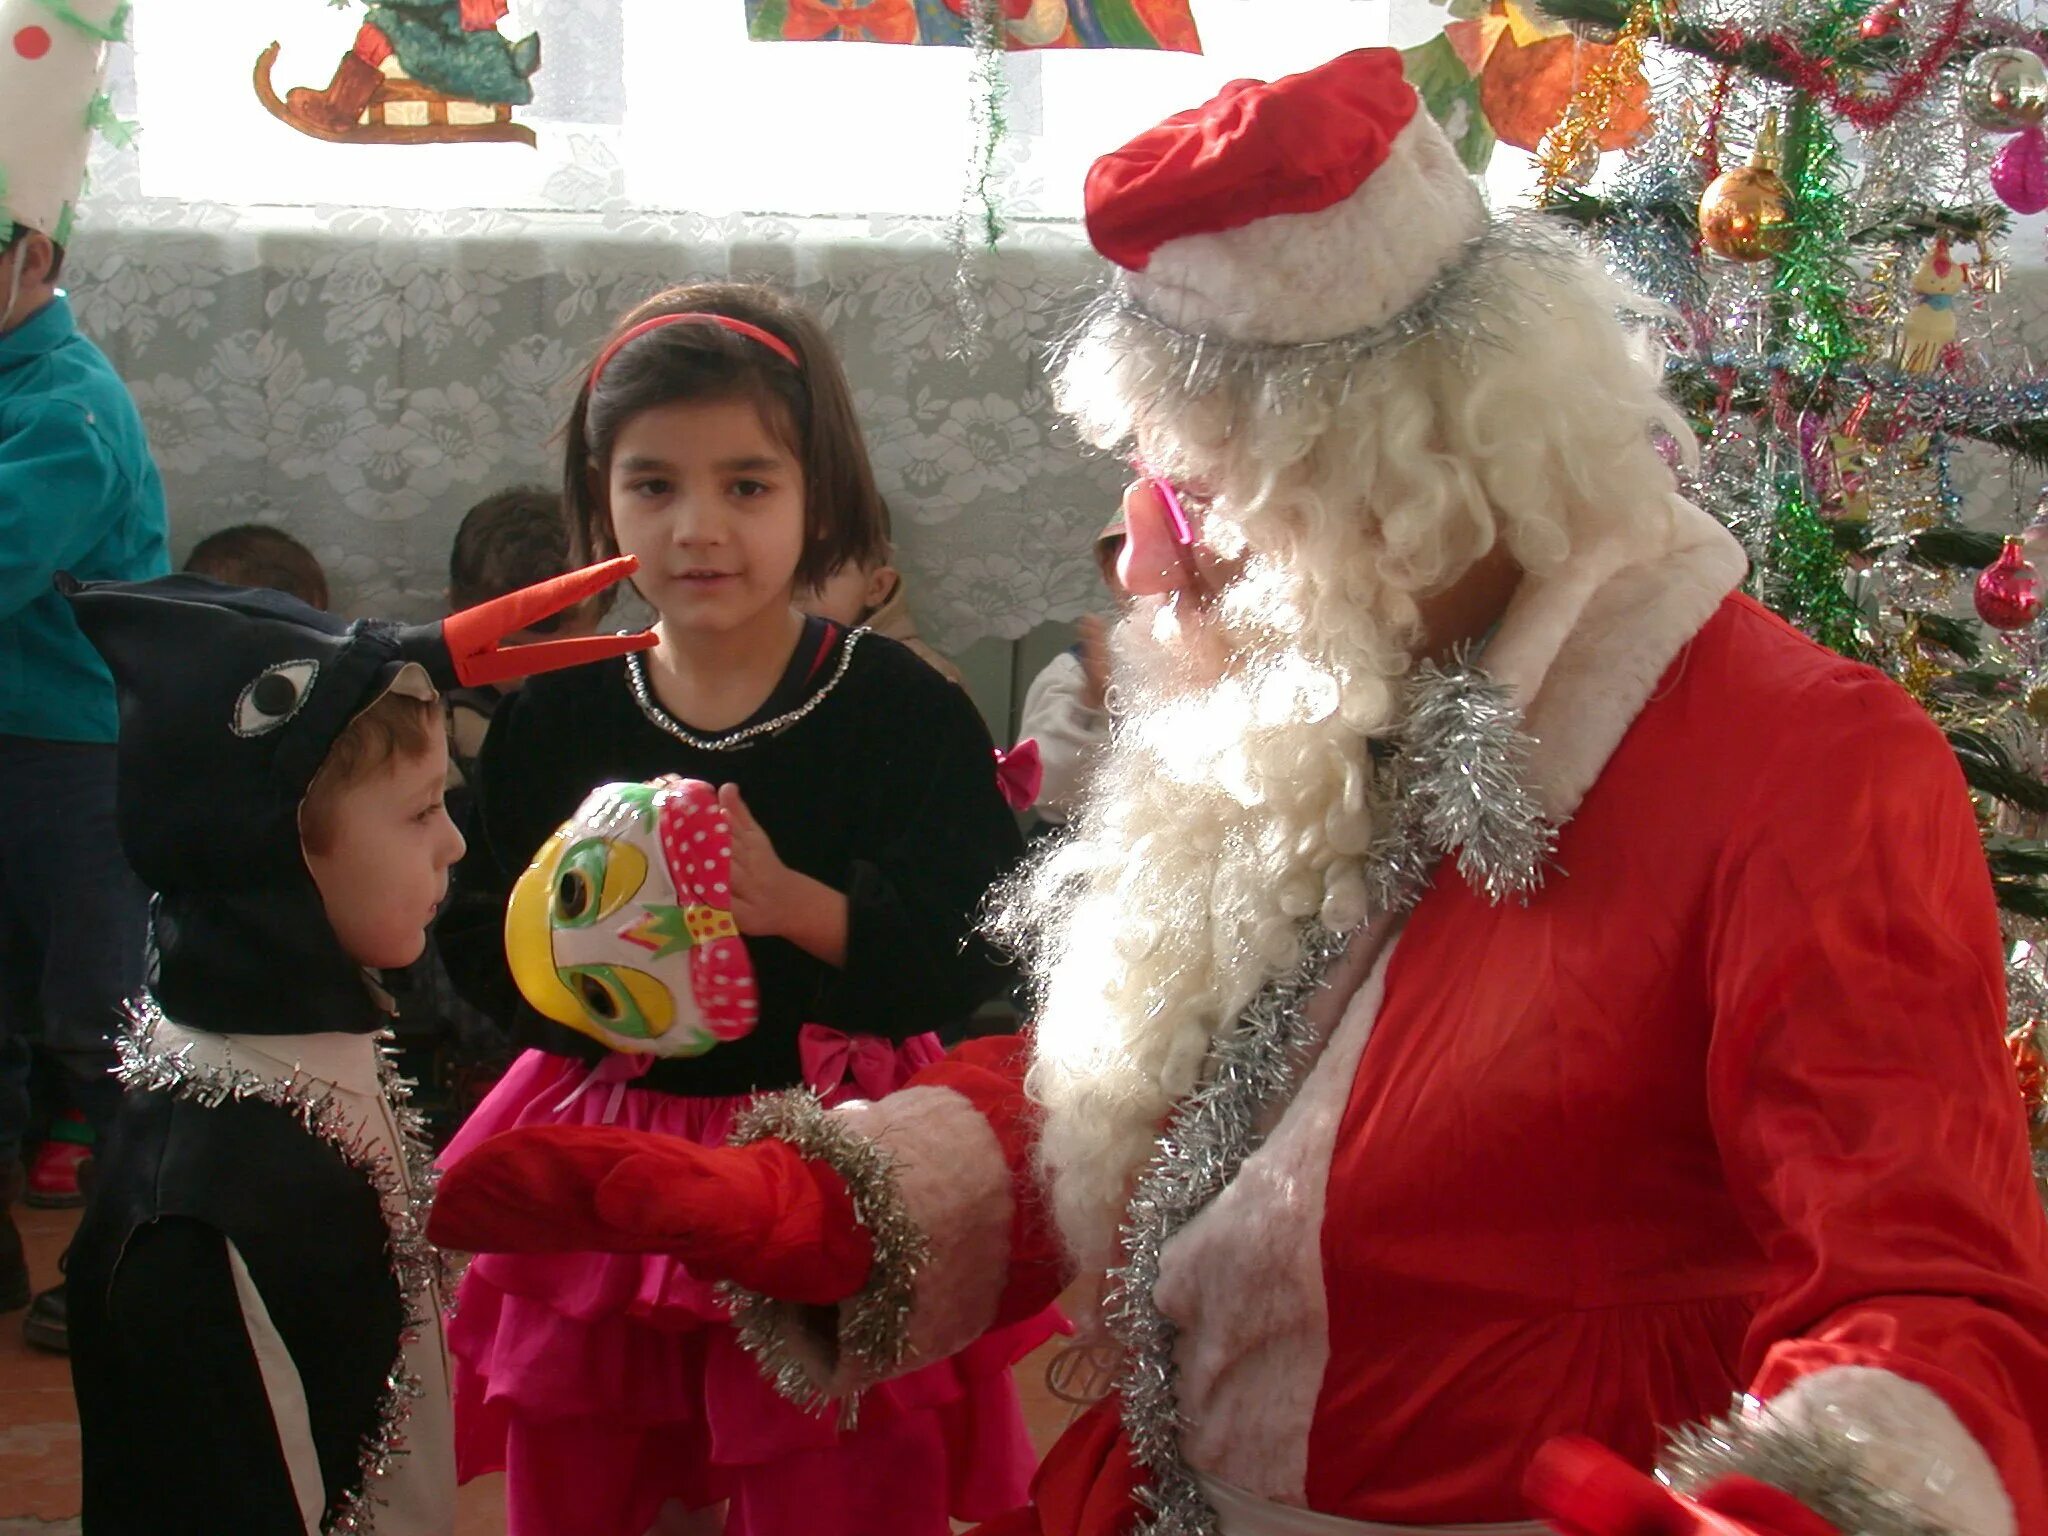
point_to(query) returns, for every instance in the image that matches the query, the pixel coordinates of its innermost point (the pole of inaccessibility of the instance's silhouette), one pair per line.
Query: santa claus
(1513, 1014)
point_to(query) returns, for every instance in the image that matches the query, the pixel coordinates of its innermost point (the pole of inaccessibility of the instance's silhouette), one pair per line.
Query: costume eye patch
(274, 696)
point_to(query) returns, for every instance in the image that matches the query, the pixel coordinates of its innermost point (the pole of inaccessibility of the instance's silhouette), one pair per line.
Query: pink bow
(831, 1059)
(1020, 774)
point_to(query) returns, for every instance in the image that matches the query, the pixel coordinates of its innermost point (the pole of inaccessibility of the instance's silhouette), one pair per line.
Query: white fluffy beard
(1232, 802)
(1234, 799)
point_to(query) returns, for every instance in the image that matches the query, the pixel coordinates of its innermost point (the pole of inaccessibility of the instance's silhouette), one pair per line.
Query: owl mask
(622, 926)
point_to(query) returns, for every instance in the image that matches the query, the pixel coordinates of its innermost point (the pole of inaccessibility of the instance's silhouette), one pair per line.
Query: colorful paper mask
(622, 926)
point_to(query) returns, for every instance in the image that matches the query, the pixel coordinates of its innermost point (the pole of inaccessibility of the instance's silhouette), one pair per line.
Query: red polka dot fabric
(32, 43)
(697, 845)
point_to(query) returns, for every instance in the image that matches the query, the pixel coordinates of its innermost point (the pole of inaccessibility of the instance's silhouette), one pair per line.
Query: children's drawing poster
(1155, 24)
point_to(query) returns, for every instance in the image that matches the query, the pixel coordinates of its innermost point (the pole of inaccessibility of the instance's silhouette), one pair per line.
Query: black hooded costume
(255, 1310)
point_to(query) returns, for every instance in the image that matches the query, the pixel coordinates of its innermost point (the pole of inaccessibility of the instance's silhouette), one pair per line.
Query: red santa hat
(1318, 206)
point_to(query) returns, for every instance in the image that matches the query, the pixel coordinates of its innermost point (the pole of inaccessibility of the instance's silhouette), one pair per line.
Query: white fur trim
(953, 1181)
(1244, 1279)
(953, 1178)
(1241, 1513)
(1911, 1441)
(1587, 648)
(1295, 277)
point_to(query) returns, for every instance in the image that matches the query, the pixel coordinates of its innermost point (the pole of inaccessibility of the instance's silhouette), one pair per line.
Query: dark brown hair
(396, 726)
(16, 233)
(512, 540)
(258, 555)
(809, 407)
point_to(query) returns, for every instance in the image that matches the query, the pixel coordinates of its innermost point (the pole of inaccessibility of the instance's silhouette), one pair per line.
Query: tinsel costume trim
(874, 1329)
(1459, 784)
(1460, 308)
(1454, 784)
(404, 1196)
(1820, 1471)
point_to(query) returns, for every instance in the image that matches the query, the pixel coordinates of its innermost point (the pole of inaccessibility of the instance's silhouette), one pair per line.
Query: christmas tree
(1819, 192)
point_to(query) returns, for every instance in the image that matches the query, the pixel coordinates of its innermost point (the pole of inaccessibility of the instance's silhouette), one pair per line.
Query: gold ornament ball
(1746, 214)
(2005, 89)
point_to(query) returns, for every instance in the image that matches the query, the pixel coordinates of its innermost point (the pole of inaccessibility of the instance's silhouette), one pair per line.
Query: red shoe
(53, 1177)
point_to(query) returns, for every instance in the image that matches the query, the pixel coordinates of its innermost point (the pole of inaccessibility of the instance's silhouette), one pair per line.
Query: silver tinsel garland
(1462, 308)
(1456, 785)
(1820, 1471)
(977, 223)
(1212, 1132)
(404, 1196)
(875, 1334)
(1460, 779)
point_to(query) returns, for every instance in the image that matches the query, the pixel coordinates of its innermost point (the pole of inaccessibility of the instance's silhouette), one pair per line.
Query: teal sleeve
(57, 479)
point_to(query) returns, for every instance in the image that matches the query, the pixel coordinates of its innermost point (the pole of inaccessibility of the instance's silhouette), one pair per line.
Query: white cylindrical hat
(52, 59)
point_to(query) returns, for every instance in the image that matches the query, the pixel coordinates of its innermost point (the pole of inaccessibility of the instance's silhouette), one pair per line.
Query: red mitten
(762, 1216)
(1584, 1489)
(532, 1190)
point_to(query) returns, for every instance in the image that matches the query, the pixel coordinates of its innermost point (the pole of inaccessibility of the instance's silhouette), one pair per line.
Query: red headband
(767, 339)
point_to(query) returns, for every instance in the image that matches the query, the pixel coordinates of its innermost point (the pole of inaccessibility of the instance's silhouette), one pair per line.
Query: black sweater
(886, 791)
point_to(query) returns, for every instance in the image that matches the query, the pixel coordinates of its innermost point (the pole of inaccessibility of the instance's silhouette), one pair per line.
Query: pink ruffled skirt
(606, 1386)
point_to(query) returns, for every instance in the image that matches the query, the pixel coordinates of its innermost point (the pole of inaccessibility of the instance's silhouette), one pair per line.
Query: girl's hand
(760, 880)
(771, 900)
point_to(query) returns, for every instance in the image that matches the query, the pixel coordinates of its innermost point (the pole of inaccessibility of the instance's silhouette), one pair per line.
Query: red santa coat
(1723, 1108)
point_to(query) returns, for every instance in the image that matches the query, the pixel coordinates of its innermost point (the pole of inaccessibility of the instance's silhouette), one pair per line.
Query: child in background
(714, 438)
(1064, 709)
(871, 592)
(255, 1312)
(78, 492)
(505, 542)
(258, 555)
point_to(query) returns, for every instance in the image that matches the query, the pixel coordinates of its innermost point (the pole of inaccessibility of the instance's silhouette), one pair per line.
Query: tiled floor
(39, 1430)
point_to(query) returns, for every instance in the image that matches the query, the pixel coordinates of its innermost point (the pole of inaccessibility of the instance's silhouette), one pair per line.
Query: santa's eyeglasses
(1184, 506)
(1161, 519)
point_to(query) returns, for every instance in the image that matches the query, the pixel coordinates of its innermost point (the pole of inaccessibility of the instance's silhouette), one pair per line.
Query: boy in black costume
(255, 1310)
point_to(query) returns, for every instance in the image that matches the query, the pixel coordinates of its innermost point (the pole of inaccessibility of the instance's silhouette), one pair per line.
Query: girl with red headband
(714, 438)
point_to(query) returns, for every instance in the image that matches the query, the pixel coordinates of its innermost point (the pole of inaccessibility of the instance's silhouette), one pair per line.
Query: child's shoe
(53, 1177)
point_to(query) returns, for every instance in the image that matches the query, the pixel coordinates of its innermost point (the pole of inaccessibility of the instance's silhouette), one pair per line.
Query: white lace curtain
(359, 342)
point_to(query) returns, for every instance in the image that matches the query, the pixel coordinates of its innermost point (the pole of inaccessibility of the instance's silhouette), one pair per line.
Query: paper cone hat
(52, 56)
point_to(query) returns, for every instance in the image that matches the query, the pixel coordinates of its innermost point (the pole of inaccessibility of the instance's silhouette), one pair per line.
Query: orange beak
(472, 635)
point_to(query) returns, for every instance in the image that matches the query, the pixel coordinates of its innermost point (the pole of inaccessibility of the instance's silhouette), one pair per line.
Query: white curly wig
(1236, 798)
